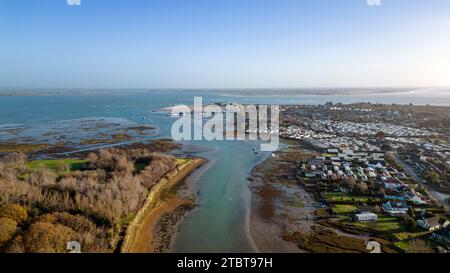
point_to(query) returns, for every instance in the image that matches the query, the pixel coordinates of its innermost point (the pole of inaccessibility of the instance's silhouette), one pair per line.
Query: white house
(417, 200)
(366, 216)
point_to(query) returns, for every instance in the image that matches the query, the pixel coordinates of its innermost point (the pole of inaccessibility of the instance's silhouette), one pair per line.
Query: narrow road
(102, 146)
(441, 197)
(408, 169)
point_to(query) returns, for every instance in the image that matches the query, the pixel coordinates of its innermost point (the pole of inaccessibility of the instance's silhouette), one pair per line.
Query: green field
(329, 155)
(403, 245)
(383, 224)
(139, 167)
(297, 203)
(344, 209)
(332, 197)
(54, 165)
(183, 160)
(410, 235)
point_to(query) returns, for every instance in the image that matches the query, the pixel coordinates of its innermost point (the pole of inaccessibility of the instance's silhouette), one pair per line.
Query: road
(441, 197)
(102, 146)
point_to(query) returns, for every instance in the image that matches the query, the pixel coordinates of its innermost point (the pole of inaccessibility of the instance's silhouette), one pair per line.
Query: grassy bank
(58, 164)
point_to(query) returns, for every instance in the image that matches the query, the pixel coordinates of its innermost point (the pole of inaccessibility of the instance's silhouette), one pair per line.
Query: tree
(78, 222)
(16, 245)
(389, 155)
(48, 238)
(14, 212)
(92, 159)
(411, 212)
(377, 209)
(42, 177)
(380, 135)
(432, 177)
(63, 167)
(419, 246)
(410, 223)
(7, 229)
(386, 147)
(363, 188)
(351, 183)
(15, 162)
(46, 218)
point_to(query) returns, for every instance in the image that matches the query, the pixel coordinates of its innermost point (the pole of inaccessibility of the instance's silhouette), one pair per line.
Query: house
(392, 185)
(378, 157)
(433, 224)
(442, 236)
(310, 174)
(416, 200)
(376, 165)
(349, 152)
(395, 208)
(365, 217)
(392, 194)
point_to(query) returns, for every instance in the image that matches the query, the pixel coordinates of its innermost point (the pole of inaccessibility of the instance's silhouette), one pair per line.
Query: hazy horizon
(438, 92)
(124, 88)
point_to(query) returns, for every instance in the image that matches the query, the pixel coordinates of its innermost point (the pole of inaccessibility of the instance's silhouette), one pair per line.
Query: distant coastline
(317, 91)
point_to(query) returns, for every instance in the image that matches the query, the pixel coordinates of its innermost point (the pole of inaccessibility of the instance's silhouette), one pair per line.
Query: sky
(224, 43)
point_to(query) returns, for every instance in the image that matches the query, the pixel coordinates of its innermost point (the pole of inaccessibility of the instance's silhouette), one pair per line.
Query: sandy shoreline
(155, 223)
(272, 199)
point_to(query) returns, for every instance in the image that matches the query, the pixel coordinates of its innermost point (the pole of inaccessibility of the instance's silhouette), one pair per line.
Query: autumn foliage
(86, 206)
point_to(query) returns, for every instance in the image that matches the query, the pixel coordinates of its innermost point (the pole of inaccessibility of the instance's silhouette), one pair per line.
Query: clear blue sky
(223, 43)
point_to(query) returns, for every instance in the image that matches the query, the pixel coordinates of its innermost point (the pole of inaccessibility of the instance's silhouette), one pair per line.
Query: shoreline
(250, 217)
(270, 201)
(190, 185)
(140, 235)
